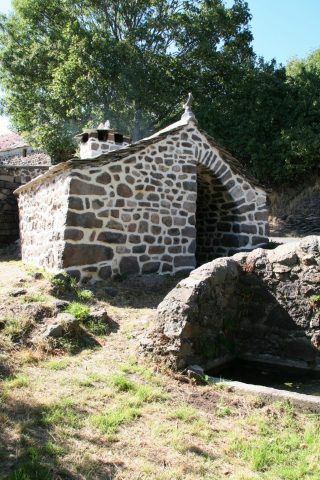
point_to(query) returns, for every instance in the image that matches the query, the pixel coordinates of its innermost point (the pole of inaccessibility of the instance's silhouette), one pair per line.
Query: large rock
(259, 305)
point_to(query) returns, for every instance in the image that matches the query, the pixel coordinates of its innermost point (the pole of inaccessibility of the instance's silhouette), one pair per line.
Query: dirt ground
(97, 410)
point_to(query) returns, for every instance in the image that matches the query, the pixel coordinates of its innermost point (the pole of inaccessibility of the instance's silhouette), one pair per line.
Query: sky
(282, 29)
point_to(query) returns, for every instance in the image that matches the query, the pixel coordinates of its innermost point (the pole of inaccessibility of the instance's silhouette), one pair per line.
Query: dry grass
(102, 414)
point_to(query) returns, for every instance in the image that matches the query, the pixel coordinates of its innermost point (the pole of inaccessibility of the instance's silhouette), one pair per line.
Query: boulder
(258, 304)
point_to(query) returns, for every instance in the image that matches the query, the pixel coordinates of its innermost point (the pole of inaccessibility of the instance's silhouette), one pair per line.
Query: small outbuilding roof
(124, 152)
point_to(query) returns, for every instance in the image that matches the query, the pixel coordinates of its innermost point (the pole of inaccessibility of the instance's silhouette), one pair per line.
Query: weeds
(79, 311)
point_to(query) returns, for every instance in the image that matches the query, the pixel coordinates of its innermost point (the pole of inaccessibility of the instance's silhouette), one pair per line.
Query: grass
(185, 413)
(104, 414)
(34, 298)
(61, 413)
(16, 327)
(97, 327)
(110, 422)
(286, 454)
(58, 364)
(122, 384)
(81, 312)
(53, 449)
(85, 296)
(18, 381)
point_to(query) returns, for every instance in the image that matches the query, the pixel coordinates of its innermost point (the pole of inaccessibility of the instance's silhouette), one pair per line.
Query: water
(283, 378)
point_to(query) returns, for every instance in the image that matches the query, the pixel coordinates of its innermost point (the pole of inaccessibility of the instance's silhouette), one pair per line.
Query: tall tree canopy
(68, 64)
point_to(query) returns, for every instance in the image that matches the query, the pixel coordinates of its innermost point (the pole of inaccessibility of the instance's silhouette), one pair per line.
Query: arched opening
(218, 218)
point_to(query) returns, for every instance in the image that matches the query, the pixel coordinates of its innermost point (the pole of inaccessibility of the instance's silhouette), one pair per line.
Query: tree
(64, 64)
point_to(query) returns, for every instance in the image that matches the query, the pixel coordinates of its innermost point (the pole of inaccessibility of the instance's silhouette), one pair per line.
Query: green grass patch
(92, 379)
(110, 422)
(61, 364)
(18, 381)
(282, 448)
(63, 284)
(30, 467)
(53, 449)
(16, 327)
(79, 311)
(34, 298)
(185, 413)
(97, 327)
(85, 295)
(223, 411)
(148, 394)
(62, 413)
(122, 383)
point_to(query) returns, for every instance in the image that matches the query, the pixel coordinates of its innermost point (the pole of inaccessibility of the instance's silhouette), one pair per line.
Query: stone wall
(42, 223)
(137, 214)
(11, 177)
(262, 305)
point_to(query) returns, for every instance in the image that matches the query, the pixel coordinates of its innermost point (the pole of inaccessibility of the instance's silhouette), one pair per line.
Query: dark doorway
(216, 216)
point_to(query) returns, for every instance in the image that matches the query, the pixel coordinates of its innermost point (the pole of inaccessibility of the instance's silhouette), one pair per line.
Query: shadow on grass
(30, 448)
(140, 291)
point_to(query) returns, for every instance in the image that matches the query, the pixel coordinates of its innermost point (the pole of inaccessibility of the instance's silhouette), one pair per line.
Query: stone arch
(231, 213)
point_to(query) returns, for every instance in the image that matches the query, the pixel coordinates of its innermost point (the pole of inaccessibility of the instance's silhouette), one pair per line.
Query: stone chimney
(103, 139)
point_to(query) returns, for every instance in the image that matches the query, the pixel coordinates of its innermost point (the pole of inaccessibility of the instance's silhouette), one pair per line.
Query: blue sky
(282, 29)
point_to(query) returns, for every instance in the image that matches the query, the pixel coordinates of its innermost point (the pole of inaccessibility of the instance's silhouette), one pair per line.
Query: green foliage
(31, 467)
(80, 311)
(66, 64)
(18, 381)
(53, 449)
(315, 299)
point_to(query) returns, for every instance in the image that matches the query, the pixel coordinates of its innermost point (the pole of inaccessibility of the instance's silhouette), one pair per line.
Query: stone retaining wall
(263, 305)
(11, 177)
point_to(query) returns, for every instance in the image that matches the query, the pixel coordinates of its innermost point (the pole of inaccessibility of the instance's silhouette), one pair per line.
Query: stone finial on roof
(188, 113)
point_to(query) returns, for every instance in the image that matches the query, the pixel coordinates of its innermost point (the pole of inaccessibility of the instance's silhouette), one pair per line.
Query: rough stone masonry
(160, 205)
(263, 305)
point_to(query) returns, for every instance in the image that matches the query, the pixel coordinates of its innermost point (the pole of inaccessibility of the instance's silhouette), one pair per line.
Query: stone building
(163, 204)
(19, 163)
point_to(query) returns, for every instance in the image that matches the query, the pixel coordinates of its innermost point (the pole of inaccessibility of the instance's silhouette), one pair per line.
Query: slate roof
(116, 155)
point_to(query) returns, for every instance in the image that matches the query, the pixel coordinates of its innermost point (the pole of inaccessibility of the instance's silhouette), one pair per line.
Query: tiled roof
(10, 141)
